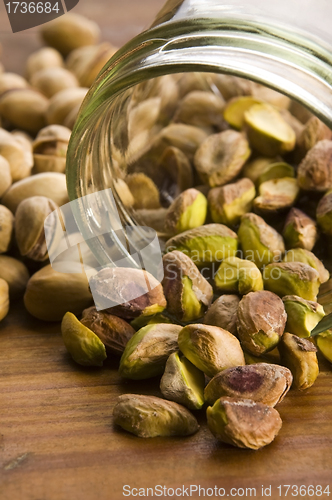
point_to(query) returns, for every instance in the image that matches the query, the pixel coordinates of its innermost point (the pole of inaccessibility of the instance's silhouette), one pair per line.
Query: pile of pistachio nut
(237, 181)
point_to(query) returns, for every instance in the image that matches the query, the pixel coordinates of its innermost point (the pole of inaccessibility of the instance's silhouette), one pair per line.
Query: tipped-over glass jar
(163, 94)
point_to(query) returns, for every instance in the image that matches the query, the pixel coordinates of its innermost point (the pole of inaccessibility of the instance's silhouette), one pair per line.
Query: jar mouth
(264, 53)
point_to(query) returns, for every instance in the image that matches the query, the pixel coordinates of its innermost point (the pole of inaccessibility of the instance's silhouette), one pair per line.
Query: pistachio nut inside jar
(154, 123)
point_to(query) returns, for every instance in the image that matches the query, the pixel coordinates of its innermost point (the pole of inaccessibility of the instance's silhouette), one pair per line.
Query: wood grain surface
(57, 439)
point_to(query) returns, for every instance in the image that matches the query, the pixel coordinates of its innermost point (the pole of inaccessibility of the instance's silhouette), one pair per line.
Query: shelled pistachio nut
(114, 332)
(232, 86)
(223, 313)
(175, 171)
(276, 195)
(63, 103)
(144, 191)
(271, 357)
(24, 108)
(44, 58)
(261, 321)
(6, 228)
(69, 32)
(117, 299)
(300, 231)
(262, 383)
(182, 382)
(324, 213)
(260, 242)
(315, 170)
(18, 155)
(280, 101)
(187, 138)
(302, 255)
(268, 132)
(220, 158)
(50, 81)
(29, 226)
(209, 243)
(86, 62)
(292, 278)
(201, 109)
(238, 276)
(15, 273)
(49, 294)
(302, 315)
(50, 149)
(228, 203)
(49, 184)
(147, 351)
(314, 131)
(187, 292)
(324, 344)
(210, 349)
(11, 81)
(187, 211)
(256, 167)
(148, 417)
(83, 345)
(278, 170)
(236, 108)
(190, 82)
(299, 355)
(243, 423)
(155, 319)
(4, 299)
(5, 175)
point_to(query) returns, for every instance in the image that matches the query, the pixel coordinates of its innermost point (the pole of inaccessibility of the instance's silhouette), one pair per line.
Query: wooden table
(57, 440)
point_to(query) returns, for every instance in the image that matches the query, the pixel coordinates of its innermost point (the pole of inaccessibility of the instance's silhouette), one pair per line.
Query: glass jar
(285, 45)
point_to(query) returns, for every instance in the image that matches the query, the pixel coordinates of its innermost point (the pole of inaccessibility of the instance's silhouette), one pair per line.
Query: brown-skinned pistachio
(276, 195)
(6, 228)
(201, 109)
(49, 294)
(147, 351)
(261, 320)
(300, 231)
(232, 86)
(63, 103)
(324, 344)
(260, 242)
(278, 100)
(154, 218)
(15, 273)
(5, 175)
(228, 203)
(210, 349)
(175, 172)
(292, 278)
(187, 211)
(86, 62)
(220, 158)
(324, 296)
(50, 81)
(44, 58)
(267, 131)
(18, 155)
(193, 81)
(300, 112)
(315, 170)
(293, 122)
(11, 81)
(144, 191)
(114, 332)
(24, 108)
(223, 313)
(299, 355)
(182, 382)
(187, 292)
(324, 213)
(187, 138)
(118, 299)
(49, 184)
(29, 226)
(83, 345)
(70, 32)
(238, 276)
(302, 315)
(302, 255)
(50, 149)
(243, 423)
(209, 243)
(4, 299)
(278, 170)
(148, 417)
(262, 383)
(314, 131)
